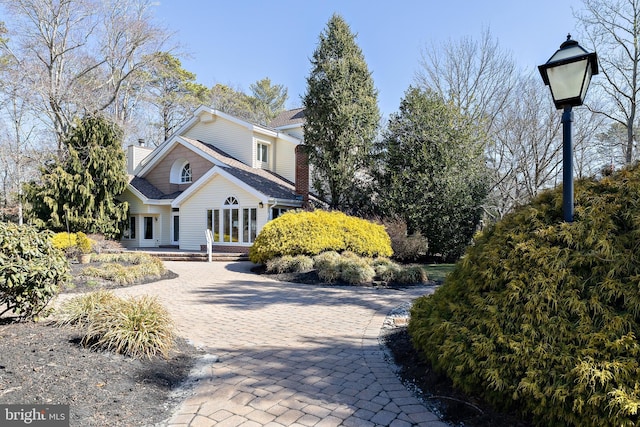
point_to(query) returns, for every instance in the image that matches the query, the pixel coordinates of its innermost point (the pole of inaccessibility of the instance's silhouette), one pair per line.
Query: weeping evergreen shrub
(543, 316)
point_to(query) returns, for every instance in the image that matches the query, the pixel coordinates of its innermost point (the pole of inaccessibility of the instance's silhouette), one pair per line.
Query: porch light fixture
(568, 74)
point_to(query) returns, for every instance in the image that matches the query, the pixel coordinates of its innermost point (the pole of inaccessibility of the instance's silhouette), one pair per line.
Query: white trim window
(227, 222)
(130, 228)
(180, 172)
(262, 153)
(185, 174)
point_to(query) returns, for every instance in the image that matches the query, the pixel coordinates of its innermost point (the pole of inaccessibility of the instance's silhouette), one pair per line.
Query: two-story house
(216, 172)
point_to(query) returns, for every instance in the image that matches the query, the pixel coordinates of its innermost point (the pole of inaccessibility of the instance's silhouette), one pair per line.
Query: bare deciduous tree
(612, 28)
(477, 76)
(80, 55)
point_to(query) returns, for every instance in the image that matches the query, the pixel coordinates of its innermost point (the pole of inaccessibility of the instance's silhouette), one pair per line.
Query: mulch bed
(41, 363)
(44, 364)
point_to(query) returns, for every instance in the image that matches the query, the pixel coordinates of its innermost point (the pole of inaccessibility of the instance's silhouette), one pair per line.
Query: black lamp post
(568, 73)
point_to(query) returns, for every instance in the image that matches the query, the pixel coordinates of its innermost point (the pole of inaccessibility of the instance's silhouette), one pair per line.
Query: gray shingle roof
(264, 181)
(289, 117)
(149, 190)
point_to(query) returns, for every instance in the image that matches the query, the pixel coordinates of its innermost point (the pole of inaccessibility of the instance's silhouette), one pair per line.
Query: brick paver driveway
(285, 354)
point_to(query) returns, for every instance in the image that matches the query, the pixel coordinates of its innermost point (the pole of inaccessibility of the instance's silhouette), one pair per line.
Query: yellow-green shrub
(543, 316)
(72, 242)
(310, 233)
(64, 240)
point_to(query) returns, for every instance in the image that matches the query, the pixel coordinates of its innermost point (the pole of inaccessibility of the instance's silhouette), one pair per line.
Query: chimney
(302, 174)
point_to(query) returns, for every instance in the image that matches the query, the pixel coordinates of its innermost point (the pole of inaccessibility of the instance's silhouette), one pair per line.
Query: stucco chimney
(302, 173)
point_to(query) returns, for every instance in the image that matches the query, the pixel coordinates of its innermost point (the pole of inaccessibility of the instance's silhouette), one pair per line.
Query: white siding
(285, 158)
(161, 230)
(136, 154)
(193, 212)
(232, 138)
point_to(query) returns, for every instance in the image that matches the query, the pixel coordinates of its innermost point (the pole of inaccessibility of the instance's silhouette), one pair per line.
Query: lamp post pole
(568, 73)
(567, 164)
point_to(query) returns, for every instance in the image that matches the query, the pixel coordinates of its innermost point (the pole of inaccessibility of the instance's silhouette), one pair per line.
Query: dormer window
(262, 153)
(181, 172)
(185, 175)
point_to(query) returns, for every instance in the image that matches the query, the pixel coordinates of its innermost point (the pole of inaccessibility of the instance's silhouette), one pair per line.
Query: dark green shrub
(310, 233)
(543, 316)
(32, 270)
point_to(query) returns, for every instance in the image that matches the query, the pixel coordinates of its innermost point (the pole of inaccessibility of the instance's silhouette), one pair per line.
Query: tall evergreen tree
(173, 91)
(268, 100)
(433, 172)
(79, 191)
(342, 117)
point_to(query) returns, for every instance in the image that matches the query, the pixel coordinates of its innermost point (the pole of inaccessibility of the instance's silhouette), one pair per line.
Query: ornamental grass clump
(543, 316)
(356, 271)
(289, 264)
(79, 310)
(136, 327)
(311, 233)
(125, 268)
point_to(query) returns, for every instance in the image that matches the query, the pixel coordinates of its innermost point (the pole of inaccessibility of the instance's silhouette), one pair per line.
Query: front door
(175, 229)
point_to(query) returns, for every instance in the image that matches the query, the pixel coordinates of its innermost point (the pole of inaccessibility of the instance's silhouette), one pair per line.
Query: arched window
(230, 220)
(185, 174)
(180, 172)
(231, 201)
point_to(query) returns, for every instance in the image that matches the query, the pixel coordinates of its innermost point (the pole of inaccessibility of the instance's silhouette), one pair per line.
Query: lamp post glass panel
(568, 74)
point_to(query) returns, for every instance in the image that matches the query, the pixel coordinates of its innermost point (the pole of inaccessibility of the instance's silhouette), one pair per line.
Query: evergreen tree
(79, 191)
(268, 100)
(433, 172)
(173, 91)
(342, 116)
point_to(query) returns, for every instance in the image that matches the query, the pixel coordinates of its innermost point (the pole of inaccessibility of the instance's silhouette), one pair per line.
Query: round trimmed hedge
(311, 233)
(542, 316)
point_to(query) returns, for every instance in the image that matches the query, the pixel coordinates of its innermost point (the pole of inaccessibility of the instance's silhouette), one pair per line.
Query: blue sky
(237, 42)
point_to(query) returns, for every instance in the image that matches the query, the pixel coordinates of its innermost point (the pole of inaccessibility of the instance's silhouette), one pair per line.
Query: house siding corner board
(159, 175)
(193, 212)
(229, 137)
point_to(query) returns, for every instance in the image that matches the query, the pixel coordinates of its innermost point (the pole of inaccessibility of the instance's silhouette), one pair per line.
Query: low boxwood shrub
(311, 233)
(543, 316)
(32, 270)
